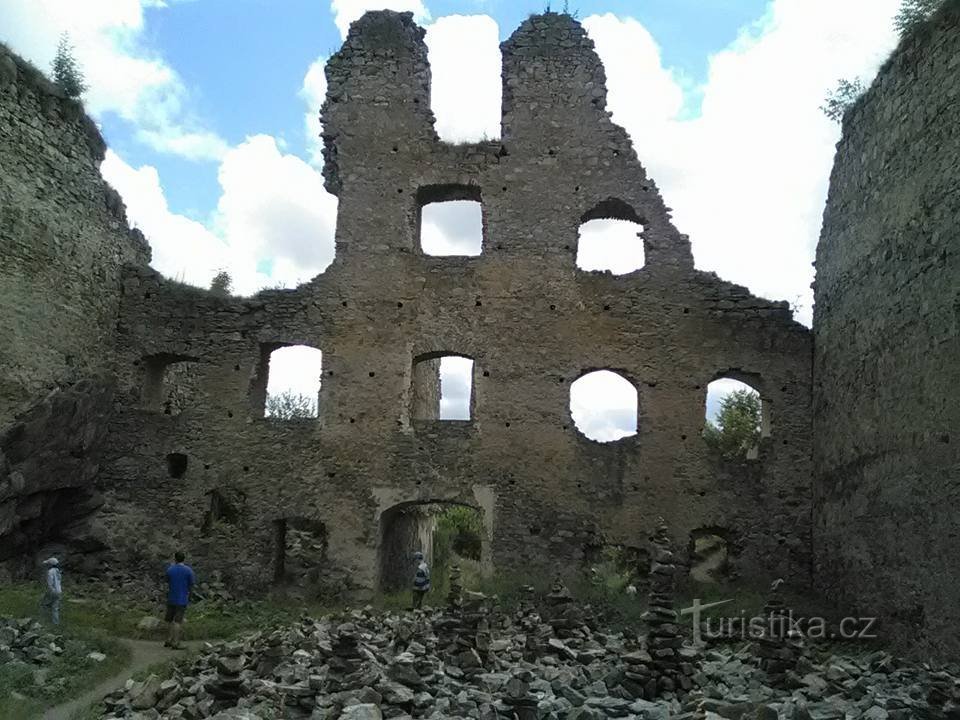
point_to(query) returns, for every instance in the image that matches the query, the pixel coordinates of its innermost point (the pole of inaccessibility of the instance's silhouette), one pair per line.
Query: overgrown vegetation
(66, 70)
(913, 13)
(288, 405)
(842, 98)
(222, 283)
(459, 534)
(737, 428)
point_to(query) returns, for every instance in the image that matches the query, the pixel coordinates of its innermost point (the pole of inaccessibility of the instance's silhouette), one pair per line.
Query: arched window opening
(450, 220)
(709, 557)
(442, 388)
(610, 245)
(170, 382)
(446, 533)
(736, 419)
(609, 238)
(604, 406)
(300, 552)
(287, 384)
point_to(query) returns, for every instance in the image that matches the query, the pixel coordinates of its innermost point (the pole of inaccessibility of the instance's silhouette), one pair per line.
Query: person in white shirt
(51, 598)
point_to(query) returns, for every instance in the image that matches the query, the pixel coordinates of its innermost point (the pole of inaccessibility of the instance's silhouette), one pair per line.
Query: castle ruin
(132, 406)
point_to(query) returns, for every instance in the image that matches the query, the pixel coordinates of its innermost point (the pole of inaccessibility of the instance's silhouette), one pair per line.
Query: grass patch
(119, 616)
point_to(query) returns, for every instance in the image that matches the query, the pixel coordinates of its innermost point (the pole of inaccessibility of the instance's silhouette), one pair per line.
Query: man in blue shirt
(179, 581)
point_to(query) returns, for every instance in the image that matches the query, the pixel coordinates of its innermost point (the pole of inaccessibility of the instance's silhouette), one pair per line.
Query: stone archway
(405, 526)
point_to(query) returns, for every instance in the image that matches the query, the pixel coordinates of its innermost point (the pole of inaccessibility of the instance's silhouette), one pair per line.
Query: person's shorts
(175, 613)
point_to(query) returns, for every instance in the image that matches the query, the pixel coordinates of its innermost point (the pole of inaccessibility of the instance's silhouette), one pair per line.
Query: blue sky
(244, 61)
(209, 108)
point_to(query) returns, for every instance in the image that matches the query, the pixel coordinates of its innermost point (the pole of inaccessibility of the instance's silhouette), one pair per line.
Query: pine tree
(66, 70)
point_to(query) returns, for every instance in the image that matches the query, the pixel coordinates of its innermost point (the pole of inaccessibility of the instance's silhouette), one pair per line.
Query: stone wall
(531, 321)
(63, 242)
(887, 360)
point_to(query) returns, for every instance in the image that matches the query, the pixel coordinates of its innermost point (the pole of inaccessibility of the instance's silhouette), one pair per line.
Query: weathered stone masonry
(887, 360)
(167, 442)
(63, 242)
(530, 320)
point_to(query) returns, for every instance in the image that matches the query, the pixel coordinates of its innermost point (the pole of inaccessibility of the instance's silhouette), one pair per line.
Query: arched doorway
(447, 533)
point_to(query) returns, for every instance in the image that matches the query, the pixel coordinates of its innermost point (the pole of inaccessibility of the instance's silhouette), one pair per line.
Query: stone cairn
(345, 661)
(227, 687)
(464, 628)
(528, 620)
(564, 615)
(517, 696)
(455, 593)
(780, 645)
(671, 665)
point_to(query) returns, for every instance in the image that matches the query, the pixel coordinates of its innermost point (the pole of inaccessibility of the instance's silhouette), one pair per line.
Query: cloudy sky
(210, 111)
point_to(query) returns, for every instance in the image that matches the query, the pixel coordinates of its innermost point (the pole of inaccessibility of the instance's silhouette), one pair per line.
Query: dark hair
(179, 556)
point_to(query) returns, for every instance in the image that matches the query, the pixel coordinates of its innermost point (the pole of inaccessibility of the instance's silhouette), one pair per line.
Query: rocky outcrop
(48, 461)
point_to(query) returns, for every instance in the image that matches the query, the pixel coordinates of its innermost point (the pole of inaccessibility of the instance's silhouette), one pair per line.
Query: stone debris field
(476, 662)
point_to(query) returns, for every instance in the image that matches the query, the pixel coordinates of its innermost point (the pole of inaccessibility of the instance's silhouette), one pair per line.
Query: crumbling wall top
(14, 70)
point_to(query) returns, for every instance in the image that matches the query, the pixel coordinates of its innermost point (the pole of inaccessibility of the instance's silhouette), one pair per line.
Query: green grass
(119, 616)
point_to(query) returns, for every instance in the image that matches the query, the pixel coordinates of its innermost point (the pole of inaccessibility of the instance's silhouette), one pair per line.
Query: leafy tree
(459, 532)
(841, 98)
(913, 13)
(289, 405)
(222, 283)
(66, 70)
(737, 429)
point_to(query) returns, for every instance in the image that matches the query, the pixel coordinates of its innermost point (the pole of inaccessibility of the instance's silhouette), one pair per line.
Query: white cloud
(346, 11)
(604, 406)
(748, 177)
(274, 223)
(124, 77)
(314, 92)
(613, 245)
(183, 249)
(297, 369)
(465, 69)
(452, 228)
(456, 387)
(274, 206)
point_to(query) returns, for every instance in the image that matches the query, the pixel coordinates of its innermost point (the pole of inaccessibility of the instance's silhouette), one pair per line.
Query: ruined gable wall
(63, 239)
(887, 360)
(532, 322)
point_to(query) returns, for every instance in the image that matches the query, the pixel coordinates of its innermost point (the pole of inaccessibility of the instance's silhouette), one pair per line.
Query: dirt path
(143, 654)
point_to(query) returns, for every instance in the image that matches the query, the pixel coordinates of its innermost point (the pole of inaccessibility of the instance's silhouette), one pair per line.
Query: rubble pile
(25, 640)
(38, 662)
(365, 666)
